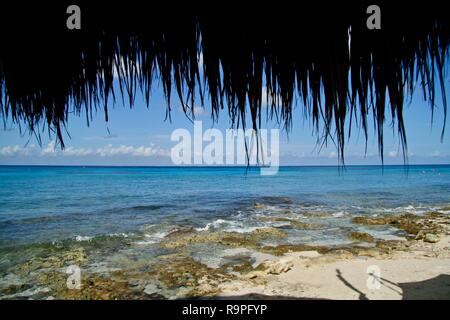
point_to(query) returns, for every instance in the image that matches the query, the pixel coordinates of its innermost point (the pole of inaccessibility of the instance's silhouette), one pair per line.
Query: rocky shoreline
(252, 267)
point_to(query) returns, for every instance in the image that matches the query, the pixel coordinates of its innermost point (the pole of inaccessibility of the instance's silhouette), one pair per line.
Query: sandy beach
(422, 273)
(414, 269)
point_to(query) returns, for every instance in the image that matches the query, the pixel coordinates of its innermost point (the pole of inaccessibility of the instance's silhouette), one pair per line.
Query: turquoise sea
(122, 213)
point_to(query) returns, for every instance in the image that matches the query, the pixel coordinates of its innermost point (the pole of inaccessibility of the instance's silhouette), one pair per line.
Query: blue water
(120, 217)
(45, 204)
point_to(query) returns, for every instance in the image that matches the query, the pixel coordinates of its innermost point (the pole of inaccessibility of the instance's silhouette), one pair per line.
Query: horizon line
(221, 166)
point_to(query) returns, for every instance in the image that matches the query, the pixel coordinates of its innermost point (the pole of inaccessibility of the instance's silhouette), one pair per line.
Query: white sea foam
(124, 235)
(83, 238)
(279, 224)
(419, 209)
(339, 214)
(89, 238)
(228, 226)
(241, 229)
(153, 238)
(145, 243)
(215, 225)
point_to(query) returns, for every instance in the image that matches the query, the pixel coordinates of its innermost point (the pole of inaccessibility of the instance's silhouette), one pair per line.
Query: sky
(141, 136)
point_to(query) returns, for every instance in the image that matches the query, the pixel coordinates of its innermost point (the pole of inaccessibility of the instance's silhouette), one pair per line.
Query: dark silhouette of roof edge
(321, 54)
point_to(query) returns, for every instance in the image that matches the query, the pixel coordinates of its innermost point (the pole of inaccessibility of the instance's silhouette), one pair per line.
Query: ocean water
(118, 212)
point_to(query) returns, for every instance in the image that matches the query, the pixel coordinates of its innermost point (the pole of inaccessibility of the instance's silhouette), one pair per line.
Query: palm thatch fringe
(322, 54)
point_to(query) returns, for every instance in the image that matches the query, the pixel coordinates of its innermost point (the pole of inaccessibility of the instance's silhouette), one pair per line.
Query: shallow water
(121, 214)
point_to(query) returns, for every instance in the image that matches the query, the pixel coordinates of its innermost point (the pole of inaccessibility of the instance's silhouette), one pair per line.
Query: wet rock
(373, 221)
(379, 249)
(234, 239)
(56, 280)
(288, 248)
(267, 233)
(176, 271)
(294, 223)
(14, 289)
(38, 263)
(241, 264)
(95, 287)
(306, 226)
(181, 241)
(75, 256)
(413, 225)
(361, 236)
(317, 214)
(436, 214)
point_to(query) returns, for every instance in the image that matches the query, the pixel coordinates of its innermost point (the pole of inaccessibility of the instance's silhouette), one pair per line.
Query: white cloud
(106, 151)
(17, 150)
(77, 152)
(49, 149)
(10, 150)
(151, 151)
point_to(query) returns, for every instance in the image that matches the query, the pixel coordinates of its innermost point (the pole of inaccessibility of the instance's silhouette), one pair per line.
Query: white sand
(421, 273)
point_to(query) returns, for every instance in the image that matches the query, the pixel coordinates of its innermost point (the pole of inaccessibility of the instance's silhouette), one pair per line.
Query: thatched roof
(321, 53)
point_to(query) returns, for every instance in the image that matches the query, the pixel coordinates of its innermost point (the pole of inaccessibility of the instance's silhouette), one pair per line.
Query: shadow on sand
(437, 288)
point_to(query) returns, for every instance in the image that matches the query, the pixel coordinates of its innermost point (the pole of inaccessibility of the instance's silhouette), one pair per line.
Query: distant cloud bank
(51, 150)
